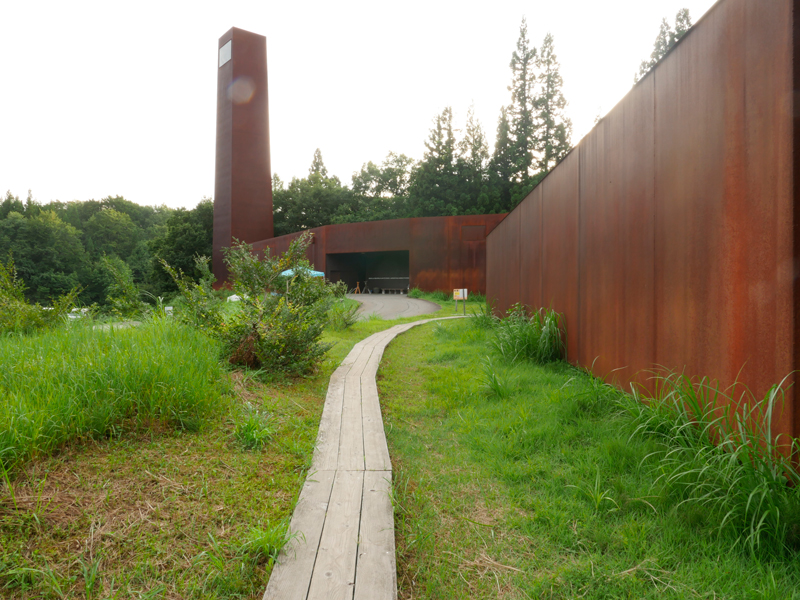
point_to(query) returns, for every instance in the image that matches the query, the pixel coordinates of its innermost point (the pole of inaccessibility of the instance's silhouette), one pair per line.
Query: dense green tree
(310, 202)
(10, 204)
(667, 37)
(187, 233)
(553, 131)
(111, 232)
(378, 191)
(435, 183)
(48, 253)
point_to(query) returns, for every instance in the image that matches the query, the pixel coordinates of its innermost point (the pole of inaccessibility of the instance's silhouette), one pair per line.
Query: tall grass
(536, 337)
(79, 382)
(720, 455)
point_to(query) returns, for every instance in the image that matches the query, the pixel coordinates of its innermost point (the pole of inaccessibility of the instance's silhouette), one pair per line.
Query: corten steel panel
(530, 249)
(243, 184)
(429, 260)
(699, 112)
(600, 247)
(768, 255)
(794, 107)
(638, 327)
(511, 267)
(560, 246)
(722, 247)
(616, 242)
(379, 235)
(495, 268)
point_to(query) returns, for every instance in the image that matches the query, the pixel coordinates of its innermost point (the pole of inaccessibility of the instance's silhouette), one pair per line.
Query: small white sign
(225, 52)
(460, 294)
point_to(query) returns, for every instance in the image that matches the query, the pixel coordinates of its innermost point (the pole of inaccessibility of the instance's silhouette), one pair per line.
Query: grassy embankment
(526, 481)
(137, 466)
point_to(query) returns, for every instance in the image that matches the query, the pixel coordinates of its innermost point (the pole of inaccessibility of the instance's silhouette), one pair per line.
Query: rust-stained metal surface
(243, 183)
(444, 252)
(560, 246)
(667, 237)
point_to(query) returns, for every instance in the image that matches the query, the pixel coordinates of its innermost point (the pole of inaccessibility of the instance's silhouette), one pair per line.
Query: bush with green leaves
(123, 294)
(17, 315)
(280, 318)
(536, 337)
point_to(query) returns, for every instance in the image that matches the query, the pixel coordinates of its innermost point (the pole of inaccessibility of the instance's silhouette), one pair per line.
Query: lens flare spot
(241, 90)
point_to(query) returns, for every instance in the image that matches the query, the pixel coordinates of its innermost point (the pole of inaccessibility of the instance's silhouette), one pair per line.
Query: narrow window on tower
(225, 53)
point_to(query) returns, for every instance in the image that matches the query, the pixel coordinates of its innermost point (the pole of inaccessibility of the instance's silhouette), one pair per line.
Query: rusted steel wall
(242, 184)
(444, 252)
(667, 236)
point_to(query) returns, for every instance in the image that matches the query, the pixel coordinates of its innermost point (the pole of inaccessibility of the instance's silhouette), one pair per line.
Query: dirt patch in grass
(158, 513)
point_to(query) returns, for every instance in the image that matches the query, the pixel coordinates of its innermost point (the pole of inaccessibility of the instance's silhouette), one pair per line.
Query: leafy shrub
(200, 306)
(122, 294)
(280, 319)
(17, 315)
(725, 462)
(537, 337)
(415, 293)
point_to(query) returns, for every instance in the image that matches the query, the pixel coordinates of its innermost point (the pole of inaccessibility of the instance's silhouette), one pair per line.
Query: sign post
(460, 294)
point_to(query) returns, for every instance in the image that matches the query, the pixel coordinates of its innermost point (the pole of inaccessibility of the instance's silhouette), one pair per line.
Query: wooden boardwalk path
(343, 521)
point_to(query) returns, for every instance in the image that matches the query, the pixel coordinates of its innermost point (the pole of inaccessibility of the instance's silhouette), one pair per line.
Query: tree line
(455, 176)
(59, 246)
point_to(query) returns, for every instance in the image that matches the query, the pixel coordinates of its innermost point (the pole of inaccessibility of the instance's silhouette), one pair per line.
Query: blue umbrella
(312, 272)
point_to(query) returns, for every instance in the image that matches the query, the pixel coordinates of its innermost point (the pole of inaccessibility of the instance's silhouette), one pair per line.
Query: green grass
(544, 490)
(82, 382)
(147, 508)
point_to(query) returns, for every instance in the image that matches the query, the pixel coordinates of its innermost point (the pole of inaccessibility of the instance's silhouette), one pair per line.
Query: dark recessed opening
(373, 270)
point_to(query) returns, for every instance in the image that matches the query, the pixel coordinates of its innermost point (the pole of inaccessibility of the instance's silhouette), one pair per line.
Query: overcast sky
(111, 98)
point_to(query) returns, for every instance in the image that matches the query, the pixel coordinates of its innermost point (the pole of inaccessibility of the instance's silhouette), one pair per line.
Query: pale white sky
(111, 98)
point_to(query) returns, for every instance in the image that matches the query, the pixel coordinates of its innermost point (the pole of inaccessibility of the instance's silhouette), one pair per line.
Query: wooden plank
(351, 442)
(376, 570)
(326, 449)
(376, 451)
(291, 576)
(334, 570)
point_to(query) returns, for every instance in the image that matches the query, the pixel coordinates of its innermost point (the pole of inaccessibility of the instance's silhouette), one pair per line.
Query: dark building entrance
(378, 271)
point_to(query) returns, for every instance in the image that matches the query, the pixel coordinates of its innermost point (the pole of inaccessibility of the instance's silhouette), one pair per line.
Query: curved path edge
(342, 528)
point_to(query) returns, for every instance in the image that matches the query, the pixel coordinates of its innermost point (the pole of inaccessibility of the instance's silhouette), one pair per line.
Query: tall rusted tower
(243, 179)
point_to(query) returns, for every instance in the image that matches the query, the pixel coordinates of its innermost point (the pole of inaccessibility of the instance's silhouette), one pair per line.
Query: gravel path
(393, 306)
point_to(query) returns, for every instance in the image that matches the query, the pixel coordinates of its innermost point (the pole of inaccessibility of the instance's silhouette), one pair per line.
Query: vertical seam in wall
(654, 349)
(578, 258)
(542, 263)
(795, 107)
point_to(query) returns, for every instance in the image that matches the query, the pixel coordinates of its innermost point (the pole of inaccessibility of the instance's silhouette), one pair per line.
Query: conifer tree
(317, 166)
(521, 110)
(667, 37)
(502, 165)
(473, 149)
(435, 185)
(553, 130)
